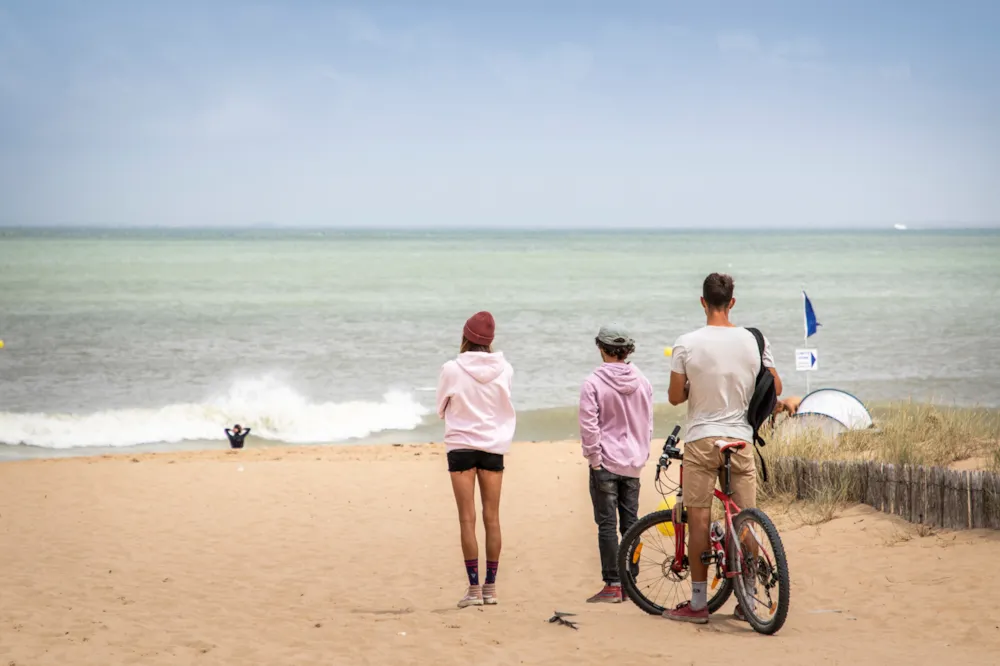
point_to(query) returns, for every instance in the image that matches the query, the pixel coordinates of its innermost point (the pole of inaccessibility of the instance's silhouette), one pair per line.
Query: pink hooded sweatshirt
(473, 398)
(616, 418)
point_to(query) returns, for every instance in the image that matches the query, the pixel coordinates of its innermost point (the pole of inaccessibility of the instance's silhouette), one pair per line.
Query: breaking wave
(273, 411)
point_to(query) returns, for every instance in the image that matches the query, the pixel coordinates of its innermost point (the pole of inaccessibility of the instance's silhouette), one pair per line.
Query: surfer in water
(236, 436)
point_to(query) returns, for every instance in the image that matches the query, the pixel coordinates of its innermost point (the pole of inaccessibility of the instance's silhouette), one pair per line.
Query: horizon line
(493, 229)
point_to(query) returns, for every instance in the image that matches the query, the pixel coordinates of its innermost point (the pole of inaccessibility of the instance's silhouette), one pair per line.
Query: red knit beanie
(479, 328)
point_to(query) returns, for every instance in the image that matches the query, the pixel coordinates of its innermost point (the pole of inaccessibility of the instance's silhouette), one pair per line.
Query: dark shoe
(611, 594)
(684, 613)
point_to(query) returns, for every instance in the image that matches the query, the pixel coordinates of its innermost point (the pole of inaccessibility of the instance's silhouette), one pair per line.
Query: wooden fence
(932, 496)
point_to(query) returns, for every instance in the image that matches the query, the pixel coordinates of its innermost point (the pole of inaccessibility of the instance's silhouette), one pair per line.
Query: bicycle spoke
(661, 551)
(647, 566)
(763, 572)
(655, 579)
(658, 586)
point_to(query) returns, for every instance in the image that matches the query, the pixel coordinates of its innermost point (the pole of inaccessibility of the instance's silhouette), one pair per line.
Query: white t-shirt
(721, 363)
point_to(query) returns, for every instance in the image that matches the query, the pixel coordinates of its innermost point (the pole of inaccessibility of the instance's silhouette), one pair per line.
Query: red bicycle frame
(680, 525)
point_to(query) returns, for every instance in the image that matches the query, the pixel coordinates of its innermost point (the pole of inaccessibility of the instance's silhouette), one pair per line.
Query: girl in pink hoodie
(473, 398)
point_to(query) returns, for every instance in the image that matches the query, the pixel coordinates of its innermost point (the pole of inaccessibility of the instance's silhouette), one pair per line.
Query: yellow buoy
(668, 351)
(667, 528)
(1, 344)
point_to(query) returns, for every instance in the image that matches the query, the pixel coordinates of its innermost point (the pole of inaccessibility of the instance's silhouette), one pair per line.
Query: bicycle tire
(627, 548)
(780, 564)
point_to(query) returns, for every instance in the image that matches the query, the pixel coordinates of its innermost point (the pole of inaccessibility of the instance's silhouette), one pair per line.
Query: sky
(796, 113)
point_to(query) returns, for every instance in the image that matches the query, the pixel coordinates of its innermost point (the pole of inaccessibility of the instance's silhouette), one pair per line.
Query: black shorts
(462, 460)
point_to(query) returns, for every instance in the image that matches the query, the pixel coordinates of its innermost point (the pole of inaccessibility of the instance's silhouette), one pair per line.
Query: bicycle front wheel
(762, 587)
(645, 559)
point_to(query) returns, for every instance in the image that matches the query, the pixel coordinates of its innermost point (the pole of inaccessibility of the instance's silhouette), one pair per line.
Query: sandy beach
(349, 555)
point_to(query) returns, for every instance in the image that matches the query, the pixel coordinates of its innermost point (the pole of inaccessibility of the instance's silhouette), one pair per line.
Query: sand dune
(349, 555)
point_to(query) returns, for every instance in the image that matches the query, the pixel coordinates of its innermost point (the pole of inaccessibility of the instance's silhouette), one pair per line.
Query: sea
(135, 340)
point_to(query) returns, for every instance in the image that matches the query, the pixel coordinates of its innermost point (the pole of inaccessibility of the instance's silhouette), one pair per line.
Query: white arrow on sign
(806, 359)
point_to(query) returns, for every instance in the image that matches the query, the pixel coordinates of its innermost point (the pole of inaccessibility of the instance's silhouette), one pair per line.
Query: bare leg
(489, 488)
(698, 542)
(699, 521)
(464, 485)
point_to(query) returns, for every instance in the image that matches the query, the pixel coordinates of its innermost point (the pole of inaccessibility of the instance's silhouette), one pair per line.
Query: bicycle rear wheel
(762, 587)
(644, 560)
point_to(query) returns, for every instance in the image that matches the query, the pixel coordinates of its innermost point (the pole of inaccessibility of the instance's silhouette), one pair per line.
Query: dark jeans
(616, 500)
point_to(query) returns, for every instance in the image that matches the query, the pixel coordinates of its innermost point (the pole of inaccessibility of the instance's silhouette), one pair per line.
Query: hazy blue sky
(506, 113)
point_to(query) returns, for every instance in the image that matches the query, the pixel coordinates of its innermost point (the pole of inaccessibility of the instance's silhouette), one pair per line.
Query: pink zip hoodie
(616, 418)
(473, 398)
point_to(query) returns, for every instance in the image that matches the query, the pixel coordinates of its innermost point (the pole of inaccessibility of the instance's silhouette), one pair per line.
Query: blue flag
(811, 323)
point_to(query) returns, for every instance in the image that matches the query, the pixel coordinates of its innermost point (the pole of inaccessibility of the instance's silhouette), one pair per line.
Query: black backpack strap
(763, 465)
(759, 337)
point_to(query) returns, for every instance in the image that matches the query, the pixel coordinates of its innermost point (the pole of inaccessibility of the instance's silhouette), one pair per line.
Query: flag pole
(805, 333)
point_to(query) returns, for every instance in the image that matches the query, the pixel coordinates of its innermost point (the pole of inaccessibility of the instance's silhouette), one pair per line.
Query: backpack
(763, 401)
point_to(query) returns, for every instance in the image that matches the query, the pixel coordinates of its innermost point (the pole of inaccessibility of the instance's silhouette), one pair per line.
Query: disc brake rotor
(670, 574)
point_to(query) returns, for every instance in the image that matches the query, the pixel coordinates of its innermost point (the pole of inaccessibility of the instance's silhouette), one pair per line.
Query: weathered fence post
(847, 477)
(827, 477)
(788, 482)
(902, 491)
(918, 495)
(873, 497)
(814, 477)
(801, 485)
(888, 488)
(861, 470)
(956, 512)
(977, 514)
(991, 501)
(935, 497)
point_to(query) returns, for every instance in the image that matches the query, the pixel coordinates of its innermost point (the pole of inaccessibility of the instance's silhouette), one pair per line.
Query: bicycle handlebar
(670, 451)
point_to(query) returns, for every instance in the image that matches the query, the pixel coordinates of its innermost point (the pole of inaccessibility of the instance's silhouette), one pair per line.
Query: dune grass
(822, 506)
(904, 433)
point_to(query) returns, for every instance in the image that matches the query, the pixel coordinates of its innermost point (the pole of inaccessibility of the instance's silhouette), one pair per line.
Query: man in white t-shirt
(714, 369)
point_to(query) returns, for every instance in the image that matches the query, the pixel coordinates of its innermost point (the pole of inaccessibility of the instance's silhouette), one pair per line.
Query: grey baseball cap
(614, 334)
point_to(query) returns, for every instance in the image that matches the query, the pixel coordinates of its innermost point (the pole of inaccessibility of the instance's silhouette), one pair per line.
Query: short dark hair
(620, 352)
(718, 291)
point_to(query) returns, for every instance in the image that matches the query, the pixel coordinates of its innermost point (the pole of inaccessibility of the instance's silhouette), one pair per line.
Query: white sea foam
(270, 408)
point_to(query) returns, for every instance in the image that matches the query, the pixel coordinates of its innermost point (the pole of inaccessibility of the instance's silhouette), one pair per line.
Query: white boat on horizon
(899, 227)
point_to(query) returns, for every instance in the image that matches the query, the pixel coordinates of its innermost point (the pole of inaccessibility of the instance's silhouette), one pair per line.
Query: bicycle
(742, 565)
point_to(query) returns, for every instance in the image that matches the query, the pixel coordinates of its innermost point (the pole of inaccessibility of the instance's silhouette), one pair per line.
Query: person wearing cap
(616, 427)
(474, 399)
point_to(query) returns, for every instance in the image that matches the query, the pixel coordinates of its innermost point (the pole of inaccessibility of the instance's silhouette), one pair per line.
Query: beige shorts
(703, 465)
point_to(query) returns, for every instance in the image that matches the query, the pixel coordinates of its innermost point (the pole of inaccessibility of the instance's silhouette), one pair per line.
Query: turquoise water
(119, 338)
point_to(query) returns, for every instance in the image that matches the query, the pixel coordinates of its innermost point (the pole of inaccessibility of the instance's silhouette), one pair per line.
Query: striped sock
(472, 568)
(491, 572)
